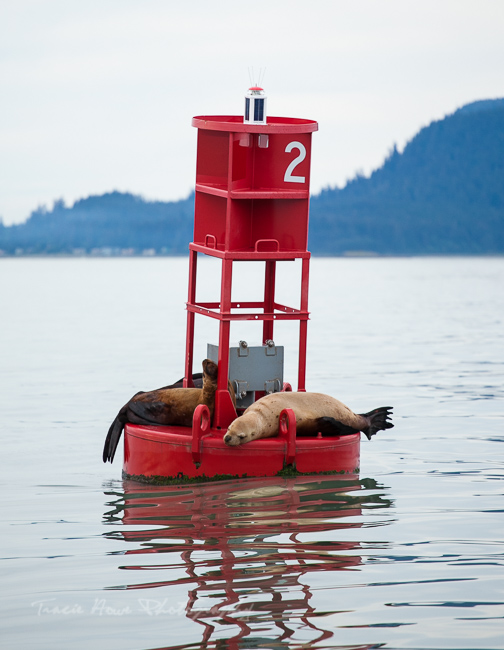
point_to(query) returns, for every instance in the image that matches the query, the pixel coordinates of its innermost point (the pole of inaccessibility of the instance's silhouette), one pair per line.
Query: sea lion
(314, 413)
(168, 405)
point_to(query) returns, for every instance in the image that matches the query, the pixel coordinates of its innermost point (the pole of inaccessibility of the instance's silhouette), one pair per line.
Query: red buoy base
(154, 453)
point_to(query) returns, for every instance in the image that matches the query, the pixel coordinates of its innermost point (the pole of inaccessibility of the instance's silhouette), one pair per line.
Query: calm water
(407, 555)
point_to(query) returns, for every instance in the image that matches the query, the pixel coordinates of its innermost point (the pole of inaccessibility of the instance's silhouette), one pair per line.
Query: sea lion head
(242, 430)
(210, 374)
(209, 371)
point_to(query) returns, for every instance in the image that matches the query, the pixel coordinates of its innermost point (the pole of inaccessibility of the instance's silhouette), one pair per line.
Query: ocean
(406, 554)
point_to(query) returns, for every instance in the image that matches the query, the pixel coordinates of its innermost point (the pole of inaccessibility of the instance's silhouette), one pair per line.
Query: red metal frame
(248, 208)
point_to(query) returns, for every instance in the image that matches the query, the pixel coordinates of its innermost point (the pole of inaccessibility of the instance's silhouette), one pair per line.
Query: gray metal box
(252, 368)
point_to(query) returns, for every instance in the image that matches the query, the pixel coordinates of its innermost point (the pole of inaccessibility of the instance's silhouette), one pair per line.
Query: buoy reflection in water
(247, 551)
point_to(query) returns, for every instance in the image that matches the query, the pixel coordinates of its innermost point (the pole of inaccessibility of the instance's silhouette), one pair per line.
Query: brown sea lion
(168, 405)
(314, 413)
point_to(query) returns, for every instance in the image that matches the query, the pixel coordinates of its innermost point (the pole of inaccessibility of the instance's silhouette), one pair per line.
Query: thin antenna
(252, 78)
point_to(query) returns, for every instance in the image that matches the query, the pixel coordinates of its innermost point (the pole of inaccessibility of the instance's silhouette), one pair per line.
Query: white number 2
(289, 178)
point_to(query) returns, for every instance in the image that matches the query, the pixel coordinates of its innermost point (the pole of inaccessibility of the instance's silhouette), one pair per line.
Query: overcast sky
(98, 96)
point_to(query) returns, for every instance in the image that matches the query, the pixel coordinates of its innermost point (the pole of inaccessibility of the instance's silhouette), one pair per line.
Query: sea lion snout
(244, 429)
(235, 439)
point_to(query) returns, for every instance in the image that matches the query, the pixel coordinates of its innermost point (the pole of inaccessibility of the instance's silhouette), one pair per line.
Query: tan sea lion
(169, 405)
(314, 412)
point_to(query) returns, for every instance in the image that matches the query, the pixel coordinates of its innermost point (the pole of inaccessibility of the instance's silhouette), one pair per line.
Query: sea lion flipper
(378, 420)
(112, 439)
(148, 412)
(332, 427)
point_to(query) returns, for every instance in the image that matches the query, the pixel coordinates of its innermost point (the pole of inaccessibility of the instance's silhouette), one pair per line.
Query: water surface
(408, 554)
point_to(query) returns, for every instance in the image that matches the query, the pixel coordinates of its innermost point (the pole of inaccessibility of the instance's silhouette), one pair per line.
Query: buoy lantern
(255, 106)
(251, 204)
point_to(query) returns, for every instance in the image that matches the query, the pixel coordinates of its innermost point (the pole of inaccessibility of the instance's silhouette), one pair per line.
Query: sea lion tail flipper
(112, 439)
(378, 420)
(332, 427)
(149, 412)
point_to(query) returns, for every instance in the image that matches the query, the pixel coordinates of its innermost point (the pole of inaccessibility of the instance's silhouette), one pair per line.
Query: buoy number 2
(289, 177)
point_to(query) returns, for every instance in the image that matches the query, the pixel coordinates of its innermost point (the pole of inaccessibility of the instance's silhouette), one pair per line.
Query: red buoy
(251, 204)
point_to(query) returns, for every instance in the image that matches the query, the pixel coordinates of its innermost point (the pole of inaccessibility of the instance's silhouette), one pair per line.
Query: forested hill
(113, 223)
(444, 194)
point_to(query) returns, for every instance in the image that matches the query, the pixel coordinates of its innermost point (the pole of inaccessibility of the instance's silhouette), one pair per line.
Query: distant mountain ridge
(110, 224)
(444, 194)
